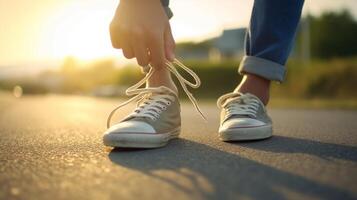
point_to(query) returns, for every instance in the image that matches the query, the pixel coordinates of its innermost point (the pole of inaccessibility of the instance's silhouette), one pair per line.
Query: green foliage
(79, 79)
(333, 34)
(28, 85)
(128, 75)
(337, 81)
(216, 77)
(194, 46)
(334, 78)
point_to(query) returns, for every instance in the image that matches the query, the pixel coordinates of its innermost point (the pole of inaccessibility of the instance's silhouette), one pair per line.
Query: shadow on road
(216, 174)
(281, 144)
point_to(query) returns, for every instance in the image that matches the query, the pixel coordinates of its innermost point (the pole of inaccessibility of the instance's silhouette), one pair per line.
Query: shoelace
(152, 104)
(238, 104)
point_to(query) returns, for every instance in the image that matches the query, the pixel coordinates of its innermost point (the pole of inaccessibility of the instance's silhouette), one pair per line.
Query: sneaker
(243, 117)
(156, 119)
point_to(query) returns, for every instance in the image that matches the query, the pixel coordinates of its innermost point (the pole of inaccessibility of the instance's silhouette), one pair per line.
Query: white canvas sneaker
(156, 119)
(243, 117)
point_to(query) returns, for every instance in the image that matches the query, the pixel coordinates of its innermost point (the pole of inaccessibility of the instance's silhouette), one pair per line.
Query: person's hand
(142, 30)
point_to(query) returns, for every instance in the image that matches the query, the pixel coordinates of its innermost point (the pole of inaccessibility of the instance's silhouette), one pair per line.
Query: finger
(141, 54)
(156, 47)
(114, 35)
(139, 47)
(170, 44)
(126, 44)
(127, 50)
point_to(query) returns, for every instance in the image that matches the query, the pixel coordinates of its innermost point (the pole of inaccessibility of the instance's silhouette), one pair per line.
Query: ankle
(255, 85)
(162, 77)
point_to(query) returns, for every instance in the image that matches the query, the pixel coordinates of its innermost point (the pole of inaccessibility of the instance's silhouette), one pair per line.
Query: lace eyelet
(164, 107)
(168, 103)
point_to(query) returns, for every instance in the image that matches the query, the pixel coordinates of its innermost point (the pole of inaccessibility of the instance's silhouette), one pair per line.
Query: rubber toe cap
(241, 123)
(131, 127)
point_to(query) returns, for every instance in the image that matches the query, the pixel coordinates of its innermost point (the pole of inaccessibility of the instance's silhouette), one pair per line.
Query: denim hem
(262, 67)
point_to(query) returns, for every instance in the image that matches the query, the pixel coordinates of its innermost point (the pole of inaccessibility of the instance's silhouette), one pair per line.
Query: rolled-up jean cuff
(262, 67)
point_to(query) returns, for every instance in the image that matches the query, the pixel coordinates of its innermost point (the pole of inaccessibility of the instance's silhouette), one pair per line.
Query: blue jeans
(269, 37)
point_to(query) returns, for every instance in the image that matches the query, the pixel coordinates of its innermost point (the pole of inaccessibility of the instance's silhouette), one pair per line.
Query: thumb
(169, 44)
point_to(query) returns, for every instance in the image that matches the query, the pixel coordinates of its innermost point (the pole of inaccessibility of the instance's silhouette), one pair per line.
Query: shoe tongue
(237, 116)
(162, 90)
(235, 99)
(240, 98)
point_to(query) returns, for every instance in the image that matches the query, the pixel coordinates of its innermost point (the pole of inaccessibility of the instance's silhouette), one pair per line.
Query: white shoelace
(153, 105)
(238, 104)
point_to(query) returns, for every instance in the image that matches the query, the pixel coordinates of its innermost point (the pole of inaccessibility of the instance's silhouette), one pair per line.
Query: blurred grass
(317, 103)
(333, 79)
(7, 99)
(319, 83)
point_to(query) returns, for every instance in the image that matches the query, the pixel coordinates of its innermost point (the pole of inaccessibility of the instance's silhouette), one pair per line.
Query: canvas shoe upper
(243, 117)
(156, 118)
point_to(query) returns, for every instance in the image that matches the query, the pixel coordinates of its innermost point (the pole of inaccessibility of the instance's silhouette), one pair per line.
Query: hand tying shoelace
(153, 105)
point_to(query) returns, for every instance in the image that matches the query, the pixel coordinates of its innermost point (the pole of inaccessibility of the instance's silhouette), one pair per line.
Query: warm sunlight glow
(47, 31)
(80, 30)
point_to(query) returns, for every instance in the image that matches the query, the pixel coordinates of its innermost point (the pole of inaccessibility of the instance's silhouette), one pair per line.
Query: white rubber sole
(139, 140)
(244, 134)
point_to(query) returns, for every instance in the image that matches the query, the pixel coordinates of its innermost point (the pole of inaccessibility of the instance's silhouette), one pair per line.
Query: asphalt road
(51, 148)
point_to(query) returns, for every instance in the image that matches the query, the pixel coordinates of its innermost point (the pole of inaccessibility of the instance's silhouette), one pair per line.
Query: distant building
(194, 51)
(229, 45)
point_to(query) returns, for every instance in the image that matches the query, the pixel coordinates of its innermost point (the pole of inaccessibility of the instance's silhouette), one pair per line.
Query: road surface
(51, 148)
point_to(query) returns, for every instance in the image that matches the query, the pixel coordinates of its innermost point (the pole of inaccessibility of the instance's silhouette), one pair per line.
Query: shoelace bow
(238, 104)
(143, 93)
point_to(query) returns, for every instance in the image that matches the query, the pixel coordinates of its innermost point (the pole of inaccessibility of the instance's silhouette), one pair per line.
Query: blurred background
(63, 47)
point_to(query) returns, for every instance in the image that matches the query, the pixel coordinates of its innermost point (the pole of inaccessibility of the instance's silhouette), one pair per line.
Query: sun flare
(78, 29)
(46, 31)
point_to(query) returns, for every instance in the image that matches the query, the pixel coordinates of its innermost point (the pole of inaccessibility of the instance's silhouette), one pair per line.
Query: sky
(47, 31)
